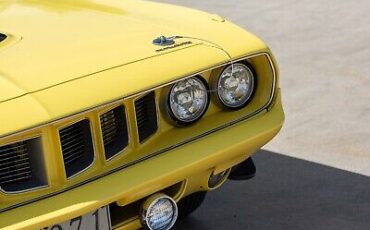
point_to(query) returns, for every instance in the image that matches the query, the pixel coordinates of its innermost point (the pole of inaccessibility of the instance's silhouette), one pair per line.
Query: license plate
(97, 220)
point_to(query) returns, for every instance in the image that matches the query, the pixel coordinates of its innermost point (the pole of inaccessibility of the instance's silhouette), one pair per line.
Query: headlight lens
(188, 100)
(235, 86)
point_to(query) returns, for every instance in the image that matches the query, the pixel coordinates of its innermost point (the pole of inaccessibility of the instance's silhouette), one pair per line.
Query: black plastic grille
(77, 147)
(21, 166)
(114, 130)
(146, 116)
(14, 163)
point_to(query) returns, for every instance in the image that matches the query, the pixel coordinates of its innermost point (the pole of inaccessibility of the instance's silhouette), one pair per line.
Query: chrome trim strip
(159, 152)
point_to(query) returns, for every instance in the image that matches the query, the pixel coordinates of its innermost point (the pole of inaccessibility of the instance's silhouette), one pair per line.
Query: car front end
(124, 115)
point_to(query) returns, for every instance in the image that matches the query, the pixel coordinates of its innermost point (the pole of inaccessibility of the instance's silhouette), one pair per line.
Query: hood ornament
(164, 41)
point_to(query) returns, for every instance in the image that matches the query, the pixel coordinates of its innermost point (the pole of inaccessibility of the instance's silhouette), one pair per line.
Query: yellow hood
(82, 43)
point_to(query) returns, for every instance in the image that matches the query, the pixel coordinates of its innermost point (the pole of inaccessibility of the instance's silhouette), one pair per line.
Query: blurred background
(323, 51)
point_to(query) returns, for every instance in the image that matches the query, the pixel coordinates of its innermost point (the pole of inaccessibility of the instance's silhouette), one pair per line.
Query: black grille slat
(71, 135)
(72, 158)
(78, 151)
(77, 147)
(4, 170)
(146, 116)
(9, 164)
(12, 149)
(20, 171)
(70, 147)
(110, 128)
(73, 148)
(17, 177)
(114, 131)
(21, 166)
(11, 157)
(13, 170)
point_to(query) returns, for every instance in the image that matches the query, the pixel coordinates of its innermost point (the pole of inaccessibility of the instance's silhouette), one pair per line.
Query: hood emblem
(168, 43)
(164, 41)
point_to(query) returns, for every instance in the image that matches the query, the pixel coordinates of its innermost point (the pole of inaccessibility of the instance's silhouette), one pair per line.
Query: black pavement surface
(287, 193)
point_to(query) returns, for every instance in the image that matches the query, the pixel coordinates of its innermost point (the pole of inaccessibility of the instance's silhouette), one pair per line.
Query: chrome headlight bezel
(148, 208)
(216, 79)
(170, 110)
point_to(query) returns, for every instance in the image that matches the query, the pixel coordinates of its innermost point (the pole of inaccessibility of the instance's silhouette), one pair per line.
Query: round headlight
(235, 86)
(159, 212)
(188, 100)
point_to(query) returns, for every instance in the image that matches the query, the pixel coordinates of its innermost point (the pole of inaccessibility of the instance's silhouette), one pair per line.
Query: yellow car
(122, 114)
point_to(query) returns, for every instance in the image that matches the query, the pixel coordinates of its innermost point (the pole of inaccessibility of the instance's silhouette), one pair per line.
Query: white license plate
(97, 220)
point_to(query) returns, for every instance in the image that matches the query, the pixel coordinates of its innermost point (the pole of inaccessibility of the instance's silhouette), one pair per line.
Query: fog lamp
(159, 212)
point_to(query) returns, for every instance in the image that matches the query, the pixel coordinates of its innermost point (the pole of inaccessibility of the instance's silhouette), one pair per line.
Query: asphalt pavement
(287, 193)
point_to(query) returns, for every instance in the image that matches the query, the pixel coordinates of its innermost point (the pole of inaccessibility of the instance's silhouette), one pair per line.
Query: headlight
(235, 89)
(188, 100)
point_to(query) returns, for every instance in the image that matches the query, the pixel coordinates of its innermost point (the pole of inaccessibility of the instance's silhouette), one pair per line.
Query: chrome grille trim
(77, 147)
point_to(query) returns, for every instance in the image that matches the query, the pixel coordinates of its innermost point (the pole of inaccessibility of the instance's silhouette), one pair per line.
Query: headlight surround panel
(244, 74)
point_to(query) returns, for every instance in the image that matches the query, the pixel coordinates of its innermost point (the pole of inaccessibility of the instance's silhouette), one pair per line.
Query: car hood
(59, 41)
(64, 56)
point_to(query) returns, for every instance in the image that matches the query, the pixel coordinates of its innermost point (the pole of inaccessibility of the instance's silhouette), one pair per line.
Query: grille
(77, 147)
(22, 166)
(114, 130)
(146, 116)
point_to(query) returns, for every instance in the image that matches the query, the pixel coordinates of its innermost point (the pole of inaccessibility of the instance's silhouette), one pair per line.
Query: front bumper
(216, 152)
